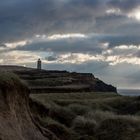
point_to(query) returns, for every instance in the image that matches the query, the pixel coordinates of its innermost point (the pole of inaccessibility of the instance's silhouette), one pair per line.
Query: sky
(94, 36)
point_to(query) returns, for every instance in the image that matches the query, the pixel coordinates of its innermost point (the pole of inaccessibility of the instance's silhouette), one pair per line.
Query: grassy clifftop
(41, 81)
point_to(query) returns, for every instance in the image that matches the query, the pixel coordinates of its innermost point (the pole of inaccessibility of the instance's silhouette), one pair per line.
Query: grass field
(90, 116)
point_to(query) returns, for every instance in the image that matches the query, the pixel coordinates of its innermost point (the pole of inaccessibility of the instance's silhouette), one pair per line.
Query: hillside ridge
(55, 81)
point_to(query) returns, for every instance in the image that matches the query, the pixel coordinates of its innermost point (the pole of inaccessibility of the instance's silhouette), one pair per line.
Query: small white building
(39, 64)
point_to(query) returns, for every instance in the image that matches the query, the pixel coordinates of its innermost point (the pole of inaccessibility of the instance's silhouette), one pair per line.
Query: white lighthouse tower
(39, 64)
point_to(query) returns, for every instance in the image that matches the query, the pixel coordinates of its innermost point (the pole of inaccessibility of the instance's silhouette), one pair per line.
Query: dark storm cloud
(88, 3)
(117, 40)
(51, 58)
(91, 45)
(109, 23)
(126, 5)
(22, 19)
(65, 46)
(117, 24)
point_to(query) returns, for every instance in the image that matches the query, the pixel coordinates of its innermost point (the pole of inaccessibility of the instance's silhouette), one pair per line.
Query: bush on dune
(84, 126)
(60, 130)
(62, 115)
(99, 115)
(86, 137)
(79, 109)
(108, 126)
(123, 105)
(96, 119)
(10, 80)
(118, 128)
(52, 110)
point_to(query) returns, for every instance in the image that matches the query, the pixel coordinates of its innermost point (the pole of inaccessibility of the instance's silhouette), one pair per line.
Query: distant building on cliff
(39, 64)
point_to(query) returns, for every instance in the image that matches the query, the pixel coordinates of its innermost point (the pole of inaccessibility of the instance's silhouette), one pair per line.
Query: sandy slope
(15, 120)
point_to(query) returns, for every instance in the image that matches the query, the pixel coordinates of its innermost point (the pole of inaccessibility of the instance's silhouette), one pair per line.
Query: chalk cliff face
(16, 122)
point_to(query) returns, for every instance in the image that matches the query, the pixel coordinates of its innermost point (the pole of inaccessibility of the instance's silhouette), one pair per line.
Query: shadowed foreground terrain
(16, 122)
(90, 116)
(65, 116)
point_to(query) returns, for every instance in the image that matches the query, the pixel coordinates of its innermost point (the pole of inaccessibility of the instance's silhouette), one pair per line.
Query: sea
(129, 92)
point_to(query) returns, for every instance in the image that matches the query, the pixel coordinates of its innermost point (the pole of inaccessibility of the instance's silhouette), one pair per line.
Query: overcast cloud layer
(98, 36)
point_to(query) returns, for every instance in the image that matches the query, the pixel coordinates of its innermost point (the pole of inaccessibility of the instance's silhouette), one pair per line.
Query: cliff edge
(16, 122)
(54, 81)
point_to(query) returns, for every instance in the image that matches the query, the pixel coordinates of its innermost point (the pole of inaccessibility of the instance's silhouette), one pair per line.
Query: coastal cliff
(44, 81)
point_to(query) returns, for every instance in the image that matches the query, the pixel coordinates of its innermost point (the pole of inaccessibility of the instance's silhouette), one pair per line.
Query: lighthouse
(39, 64)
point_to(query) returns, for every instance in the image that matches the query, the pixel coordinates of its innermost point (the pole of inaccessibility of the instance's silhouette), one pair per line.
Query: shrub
(60, 130)
(79, 109)
(138, 113)
(84, 126)
(10, 80)
(99, 116)
(118, 128)
(87, 137)
(62, 115)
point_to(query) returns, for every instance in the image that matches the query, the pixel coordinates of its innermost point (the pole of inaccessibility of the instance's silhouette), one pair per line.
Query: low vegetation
(91, 116)
(61, 116)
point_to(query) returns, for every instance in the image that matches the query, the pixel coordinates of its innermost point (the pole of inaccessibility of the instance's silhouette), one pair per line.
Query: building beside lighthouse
(39, 64)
